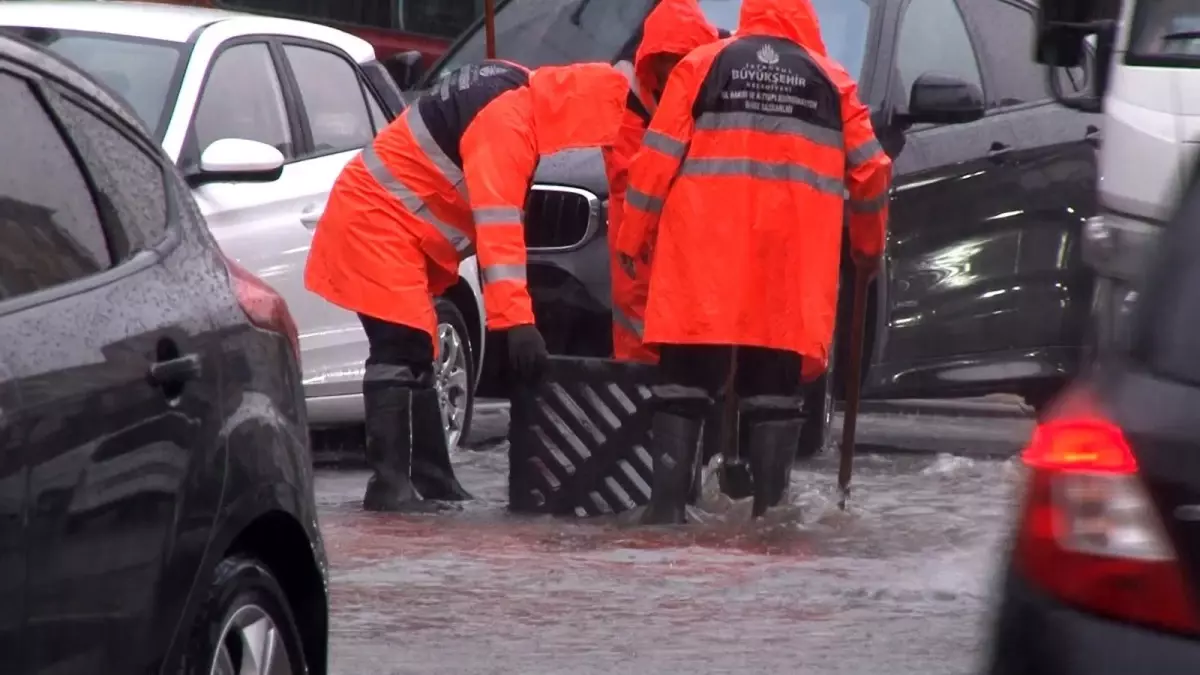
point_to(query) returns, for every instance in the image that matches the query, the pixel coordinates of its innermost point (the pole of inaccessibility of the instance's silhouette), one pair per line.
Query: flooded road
(898, 585)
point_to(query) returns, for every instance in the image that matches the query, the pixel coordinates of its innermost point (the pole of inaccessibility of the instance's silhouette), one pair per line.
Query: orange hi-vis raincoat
(739, 190)
(449, 178)
(674, 27)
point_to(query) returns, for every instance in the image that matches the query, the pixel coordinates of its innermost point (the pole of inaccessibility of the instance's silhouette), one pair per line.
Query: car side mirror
(237, 160)
(405, 68)
(943, 99)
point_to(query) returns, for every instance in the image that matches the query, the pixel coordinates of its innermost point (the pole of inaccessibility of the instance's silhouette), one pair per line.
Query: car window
(242, 99)
(933, 38)
(444, 18)
(1016, 77)
(538, 33)
(140, 72)
(379, 119)
(332, 96)
(130, 185)
(1166, 29)
(844, 26)
(50, 232)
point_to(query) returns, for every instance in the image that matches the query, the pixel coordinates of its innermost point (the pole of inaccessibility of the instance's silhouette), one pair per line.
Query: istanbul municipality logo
(767, 55)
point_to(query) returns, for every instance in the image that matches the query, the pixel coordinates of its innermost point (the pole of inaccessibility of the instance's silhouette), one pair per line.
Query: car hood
(581, 168)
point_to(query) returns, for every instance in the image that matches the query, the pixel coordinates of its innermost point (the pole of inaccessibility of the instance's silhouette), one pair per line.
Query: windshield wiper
(577, 15)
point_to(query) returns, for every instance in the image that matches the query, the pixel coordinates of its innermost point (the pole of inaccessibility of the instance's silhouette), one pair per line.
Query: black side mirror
(943, 99)
(405, 68)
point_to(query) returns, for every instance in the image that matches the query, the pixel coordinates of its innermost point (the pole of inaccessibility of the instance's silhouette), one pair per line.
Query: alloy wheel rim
(250, 644)
(452, 383)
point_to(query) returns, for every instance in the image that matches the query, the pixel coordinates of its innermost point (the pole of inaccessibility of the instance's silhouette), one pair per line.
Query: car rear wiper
(1183, 35)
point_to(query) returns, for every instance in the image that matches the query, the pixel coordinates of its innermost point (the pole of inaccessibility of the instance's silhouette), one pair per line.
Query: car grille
(560, 217)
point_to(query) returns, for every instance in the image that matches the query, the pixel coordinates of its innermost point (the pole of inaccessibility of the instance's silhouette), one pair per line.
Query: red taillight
(1090, 535)
(263, 306)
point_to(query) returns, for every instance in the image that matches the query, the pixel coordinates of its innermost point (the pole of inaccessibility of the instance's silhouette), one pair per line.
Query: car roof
(170, 23)
(31, 56)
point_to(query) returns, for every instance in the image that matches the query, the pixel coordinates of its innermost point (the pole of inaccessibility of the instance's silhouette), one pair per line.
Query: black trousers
(398, 354)
(760, 371)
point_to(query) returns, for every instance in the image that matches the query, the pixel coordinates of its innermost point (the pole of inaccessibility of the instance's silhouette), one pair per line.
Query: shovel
(735, 477)
(858, 325)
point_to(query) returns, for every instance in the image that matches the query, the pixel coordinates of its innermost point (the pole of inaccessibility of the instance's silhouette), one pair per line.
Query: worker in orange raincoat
(444, 181)
(738, 197)
(672, 30)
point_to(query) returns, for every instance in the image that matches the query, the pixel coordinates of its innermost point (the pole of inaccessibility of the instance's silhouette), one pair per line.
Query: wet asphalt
(898, 585)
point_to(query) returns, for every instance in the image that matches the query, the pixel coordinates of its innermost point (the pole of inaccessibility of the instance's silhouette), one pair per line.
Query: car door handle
(175, 371)
(998, 152)
(310, 216)
(1092, 135)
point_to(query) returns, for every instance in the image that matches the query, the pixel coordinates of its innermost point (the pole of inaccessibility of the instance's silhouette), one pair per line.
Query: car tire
(243, 597)
(454, 373)
(817, 433)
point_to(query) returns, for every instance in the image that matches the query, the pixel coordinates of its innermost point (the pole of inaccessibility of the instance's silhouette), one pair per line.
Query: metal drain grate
(579, 441)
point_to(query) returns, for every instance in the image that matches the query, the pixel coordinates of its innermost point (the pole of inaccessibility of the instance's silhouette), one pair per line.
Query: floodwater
(899, 584)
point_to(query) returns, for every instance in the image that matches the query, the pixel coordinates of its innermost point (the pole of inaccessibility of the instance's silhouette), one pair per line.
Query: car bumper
(571, 294)
(1035, 635)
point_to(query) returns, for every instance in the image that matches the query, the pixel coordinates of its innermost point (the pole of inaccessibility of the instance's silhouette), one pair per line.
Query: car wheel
(244, 626)
(454, 373)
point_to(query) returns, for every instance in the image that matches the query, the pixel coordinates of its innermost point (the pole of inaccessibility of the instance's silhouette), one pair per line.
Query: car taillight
(263, 305)
(1090, 535)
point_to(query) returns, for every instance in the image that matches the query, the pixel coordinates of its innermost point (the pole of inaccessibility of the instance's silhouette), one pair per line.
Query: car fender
(468, 270)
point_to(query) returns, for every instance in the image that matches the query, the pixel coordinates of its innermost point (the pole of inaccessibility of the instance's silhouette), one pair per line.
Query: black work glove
(527, 353)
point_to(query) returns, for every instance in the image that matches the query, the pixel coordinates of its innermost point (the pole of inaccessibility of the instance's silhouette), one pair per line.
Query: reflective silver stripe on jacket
(865, 206)
(863, 153)
(751, 168)
(771, 124)
(420, 132)
(413, 203)
(497, 215)
(494, 273)
(628, 323)
(641, 200)
(664, 144)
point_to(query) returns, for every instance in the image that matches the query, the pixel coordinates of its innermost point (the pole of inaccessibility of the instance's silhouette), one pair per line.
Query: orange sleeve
(499, 154)
(616, 162)
(868, 173)
(662, 152)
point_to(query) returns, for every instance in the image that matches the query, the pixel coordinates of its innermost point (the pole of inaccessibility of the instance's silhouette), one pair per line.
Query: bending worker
(738, 195)
(672, 30)
(445, 180)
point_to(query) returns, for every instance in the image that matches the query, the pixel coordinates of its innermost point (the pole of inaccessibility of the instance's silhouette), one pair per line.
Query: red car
(405, 33)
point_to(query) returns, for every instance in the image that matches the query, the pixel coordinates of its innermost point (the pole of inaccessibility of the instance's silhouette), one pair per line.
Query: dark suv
(982, 290)
(156, 495)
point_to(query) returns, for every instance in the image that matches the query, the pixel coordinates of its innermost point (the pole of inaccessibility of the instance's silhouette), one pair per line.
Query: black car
(156, 489)
(983, 289)
(1103, 575)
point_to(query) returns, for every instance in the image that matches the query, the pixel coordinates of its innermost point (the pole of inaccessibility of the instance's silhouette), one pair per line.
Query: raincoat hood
(577, 106)
(795, 20)
(674, 27)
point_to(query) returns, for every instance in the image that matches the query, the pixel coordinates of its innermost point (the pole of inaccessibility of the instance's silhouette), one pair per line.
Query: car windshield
(1167, 29)
(137, 71)
(555, 32)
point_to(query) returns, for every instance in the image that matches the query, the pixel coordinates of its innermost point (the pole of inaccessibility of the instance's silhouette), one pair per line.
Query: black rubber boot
(389, 422)
(676, 428)
(432, 471)
(773, 431)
